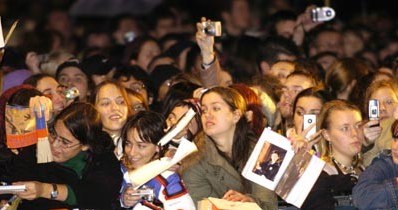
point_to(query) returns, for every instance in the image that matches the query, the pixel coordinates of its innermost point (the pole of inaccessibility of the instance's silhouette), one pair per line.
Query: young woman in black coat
(85, 172)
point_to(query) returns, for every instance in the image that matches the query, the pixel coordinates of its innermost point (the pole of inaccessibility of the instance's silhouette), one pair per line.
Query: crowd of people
(139, 76)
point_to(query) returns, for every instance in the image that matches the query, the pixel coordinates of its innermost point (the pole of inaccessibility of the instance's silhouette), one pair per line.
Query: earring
(330, 149)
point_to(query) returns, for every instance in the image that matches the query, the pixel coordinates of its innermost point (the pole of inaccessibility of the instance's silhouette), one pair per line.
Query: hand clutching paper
(145, 173)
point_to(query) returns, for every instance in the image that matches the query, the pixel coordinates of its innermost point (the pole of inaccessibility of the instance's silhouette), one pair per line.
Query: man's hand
(205, 42)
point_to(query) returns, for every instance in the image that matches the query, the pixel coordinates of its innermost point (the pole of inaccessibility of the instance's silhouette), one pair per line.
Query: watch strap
(54, 192)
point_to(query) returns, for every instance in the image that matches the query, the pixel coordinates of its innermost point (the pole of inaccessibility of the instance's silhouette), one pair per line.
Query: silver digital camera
(321, 14)
(145, 193)
(374, 112)
(212, 28)
(71, 93)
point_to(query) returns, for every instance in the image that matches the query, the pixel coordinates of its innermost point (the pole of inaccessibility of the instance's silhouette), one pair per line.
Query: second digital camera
(212, 28)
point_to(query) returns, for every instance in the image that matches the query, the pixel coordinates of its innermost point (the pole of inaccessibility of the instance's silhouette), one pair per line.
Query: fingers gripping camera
(212, 28)
(321, 14)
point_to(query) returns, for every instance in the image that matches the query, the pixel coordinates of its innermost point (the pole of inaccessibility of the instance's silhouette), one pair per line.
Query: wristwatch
(54, 192)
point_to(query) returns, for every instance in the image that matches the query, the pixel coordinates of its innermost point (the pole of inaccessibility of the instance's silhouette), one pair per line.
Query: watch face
(54, 193)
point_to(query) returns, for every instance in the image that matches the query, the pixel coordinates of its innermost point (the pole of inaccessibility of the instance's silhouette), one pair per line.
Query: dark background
(345, 9)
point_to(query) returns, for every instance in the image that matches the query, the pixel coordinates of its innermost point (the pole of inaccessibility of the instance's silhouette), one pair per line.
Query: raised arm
(210, 73)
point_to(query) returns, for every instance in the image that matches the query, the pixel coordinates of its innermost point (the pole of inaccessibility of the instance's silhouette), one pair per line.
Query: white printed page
(177, 128)
(259, 166)
(305, 183)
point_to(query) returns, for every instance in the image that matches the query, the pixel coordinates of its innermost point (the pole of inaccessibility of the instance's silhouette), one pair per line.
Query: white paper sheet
(2, 44)
(181, 124)
(145, 173)
(11, 189)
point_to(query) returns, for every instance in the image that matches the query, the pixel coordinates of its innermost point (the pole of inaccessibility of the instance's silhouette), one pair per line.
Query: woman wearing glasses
(86, 174)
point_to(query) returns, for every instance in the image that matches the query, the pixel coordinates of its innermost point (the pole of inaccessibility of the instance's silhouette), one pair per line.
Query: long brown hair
(243, 135)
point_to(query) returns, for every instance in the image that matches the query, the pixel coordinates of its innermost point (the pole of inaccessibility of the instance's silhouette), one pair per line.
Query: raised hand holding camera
(212, 28)
(374, 110)
(321, 14)
(205, 42)
(372, 129)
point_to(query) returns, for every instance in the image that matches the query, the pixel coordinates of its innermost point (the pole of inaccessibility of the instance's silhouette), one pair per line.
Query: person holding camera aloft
(211, 74)
(140, 135)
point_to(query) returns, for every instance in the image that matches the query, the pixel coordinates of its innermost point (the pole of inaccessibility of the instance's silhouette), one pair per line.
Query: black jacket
(98, 188)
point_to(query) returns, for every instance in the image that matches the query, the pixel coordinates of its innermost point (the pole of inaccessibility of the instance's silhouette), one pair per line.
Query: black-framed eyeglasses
(62, 141)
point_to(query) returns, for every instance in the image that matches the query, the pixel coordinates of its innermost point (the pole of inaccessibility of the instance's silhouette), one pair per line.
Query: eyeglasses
(63, 142)
(137, 86)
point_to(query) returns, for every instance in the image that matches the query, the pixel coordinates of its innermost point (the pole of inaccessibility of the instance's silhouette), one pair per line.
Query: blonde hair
(324, 121)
